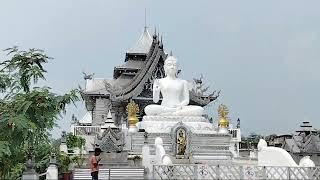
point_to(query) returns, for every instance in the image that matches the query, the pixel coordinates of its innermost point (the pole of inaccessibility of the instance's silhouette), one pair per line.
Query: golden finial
(223, 113)
(132, 110)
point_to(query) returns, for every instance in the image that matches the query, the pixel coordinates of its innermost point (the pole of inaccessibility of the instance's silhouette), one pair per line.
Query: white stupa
(109, 122)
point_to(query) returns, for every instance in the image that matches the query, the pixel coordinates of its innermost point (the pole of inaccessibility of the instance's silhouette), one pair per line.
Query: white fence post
(288, 173)
(153, 172)
(195, 172)
(218, 171)
(265, 176)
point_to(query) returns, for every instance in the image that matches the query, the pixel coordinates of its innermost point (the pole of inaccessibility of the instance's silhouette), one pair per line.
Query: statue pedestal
(164, 124)
(203, 143)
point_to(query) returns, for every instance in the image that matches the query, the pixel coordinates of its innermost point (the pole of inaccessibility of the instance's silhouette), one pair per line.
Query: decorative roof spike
(87, 76)
(155, 33)
(145, 19)
(157, 38)
(238, 123)
(161, 44)
(171, 54)
(109, 116)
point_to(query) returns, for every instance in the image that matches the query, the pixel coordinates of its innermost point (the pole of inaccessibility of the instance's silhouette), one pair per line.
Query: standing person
(94, 163)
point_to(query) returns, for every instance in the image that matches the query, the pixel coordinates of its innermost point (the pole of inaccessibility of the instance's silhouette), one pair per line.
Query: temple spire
(161, 43)
(155, 33)
(143, 45)
(145, 19)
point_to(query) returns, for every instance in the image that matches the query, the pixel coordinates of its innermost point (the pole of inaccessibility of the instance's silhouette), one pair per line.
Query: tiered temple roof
(143, 44)
(306, 141)
(306, 127)
(134, 79)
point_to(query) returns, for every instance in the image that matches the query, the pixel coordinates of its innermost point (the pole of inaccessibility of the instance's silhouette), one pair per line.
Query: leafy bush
(74, 141)
(64, 162)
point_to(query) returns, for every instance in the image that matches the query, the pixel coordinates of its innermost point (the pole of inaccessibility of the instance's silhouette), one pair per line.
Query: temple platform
(164, 124)
(203, 144)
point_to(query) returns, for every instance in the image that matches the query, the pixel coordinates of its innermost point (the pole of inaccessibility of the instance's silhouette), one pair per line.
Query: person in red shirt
(94, 163)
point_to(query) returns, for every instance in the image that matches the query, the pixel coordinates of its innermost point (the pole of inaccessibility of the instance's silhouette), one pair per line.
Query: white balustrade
(86, 130)
(203, 171)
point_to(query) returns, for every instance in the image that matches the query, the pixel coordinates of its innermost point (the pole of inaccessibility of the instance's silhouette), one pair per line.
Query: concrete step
(113, 173)
(126, 173)
(82, 174)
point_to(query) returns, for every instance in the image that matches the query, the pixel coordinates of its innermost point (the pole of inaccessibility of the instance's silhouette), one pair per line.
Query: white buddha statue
(175, 94)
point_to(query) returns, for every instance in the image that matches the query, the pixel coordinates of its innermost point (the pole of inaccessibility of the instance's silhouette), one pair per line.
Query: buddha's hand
(156, 85)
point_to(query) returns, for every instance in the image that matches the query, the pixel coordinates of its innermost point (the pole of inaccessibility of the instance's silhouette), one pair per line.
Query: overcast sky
(264, 56)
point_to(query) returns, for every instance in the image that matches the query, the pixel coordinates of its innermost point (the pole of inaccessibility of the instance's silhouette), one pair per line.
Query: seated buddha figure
(175, 94)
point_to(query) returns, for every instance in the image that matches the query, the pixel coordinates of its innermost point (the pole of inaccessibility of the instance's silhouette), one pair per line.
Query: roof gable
(143, 45)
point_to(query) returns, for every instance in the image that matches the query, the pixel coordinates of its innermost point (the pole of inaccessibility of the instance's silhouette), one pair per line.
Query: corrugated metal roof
(132, 65)
(143, 45)
(97, 86)
(122, 80)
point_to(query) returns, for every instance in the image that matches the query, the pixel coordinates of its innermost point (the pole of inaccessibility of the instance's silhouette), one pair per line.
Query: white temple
(147, 117)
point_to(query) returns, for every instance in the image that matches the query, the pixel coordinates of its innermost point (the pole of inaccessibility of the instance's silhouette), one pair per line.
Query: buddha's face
(170, 67)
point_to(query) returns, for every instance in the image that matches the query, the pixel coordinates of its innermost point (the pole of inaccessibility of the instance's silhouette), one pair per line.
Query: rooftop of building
(143, 45)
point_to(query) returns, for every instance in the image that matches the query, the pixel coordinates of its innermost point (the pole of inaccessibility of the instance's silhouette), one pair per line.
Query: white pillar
(146, 161)
(52, 172)
(64, 148)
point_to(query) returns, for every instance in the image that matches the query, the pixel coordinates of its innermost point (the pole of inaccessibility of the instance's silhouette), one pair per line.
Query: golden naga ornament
(223, 113)
(132, 110)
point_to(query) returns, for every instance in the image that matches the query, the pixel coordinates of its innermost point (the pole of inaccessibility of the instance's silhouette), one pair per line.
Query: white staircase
(86, 174)
(113, 173)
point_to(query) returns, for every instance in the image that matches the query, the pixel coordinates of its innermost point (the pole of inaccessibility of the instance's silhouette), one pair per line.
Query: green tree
(75, 141)
(27, 112)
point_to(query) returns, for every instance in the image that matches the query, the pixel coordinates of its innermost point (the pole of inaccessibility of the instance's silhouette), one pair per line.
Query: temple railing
(221, 172)
(86, 130)
(112, 173)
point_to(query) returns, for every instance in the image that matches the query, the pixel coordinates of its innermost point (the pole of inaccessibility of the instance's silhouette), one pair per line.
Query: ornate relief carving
(111, 140)
(157, 73)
